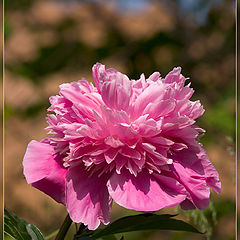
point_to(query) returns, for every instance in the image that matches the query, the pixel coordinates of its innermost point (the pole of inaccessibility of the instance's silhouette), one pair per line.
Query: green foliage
(109, 237)
(16, 228)
(30, 111)
(204, 219)
(7, 29)
(220, 118)
(225, 207)
(144, 222)
(18, 4)
(85, 238)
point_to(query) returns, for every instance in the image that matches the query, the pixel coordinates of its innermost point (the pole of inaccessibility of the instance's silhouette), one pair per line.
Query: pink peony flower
(133, 142)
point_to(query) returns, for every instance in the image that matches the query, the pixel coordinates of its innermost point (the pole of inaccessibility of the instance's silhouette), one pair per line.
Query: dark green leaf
(85, 238)
(18, 229)
(145, 222)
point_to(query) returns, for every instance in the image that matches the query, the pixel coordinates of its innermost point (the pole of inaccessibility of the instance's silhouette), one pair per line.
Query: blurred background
(51, 42)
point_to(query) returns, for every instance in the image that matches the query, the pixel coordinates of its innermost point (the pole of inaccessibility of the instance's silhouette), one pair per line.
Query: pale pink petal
(160, 108)
(145, 192)
(113, 117)
(87, 198)
(82, 102)
(130, 153)
(151, 94)
(116, 93)
(161, 140)
(59, 105)
(154, 77)
(115, 143)
(175, 76)
(99, 75)
(114, 87)
(148, 128)
(197, 110)
(184, 93)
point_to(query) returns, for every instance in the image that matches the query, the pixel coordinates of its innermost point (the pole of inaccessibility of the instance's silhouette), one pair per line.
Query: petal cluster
(131, 141)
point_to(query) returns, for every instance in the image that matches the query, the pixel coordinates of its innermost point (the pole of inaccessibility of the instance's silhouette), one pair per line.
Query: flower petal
(196, 187)
(44, 171)
(211, 174)
(160, 108)
(198, 166)
(175, 76)
(99, 73)
(87, 198)
(145, 192)
(116, 93)
(114, 87)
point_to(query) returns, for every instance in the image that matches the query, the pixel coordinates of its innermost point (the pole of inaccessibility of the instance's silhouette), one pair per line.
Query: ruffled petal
(82, 96)
(114, 87)
(87, 198)
(198, 166)
(211, 174)
(116, 93)
(145, 192)
(43, 169)
(196, 187)
(99, 73)
(175, 76)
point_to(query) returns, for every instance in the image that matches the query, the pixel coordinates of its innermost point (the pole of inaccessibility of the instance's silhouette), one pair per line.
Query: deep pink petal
(211, 174)
(198, 166)
(87, 198)
(44, 171)
(36, 160)
(196, 187)
(187, 205)
(145, 192)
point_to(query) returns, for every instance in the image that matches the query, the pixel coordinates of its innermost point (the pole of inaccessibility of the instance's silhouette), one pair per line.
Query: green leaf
(16, 228)
(109, 237)
(85, 238)
(145, 222)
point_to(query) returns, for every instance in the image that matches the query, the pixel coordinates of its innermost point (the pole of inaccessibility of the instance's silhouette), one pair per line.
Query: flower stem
(80, 230)
(51, 235)
(64, 228)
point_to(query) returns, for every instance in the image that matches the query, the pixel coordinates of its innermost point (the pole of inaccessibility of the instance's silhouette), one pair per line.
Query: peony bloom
(134, 142)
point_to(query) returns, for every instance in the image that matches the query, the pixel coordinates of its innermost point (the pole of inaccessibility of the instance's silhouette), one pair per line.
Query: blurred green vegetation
(43, 38)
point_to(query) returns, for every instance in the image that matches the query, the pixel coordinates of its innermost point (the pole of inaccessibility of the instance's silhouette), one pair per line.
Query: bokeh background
(51, 42)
